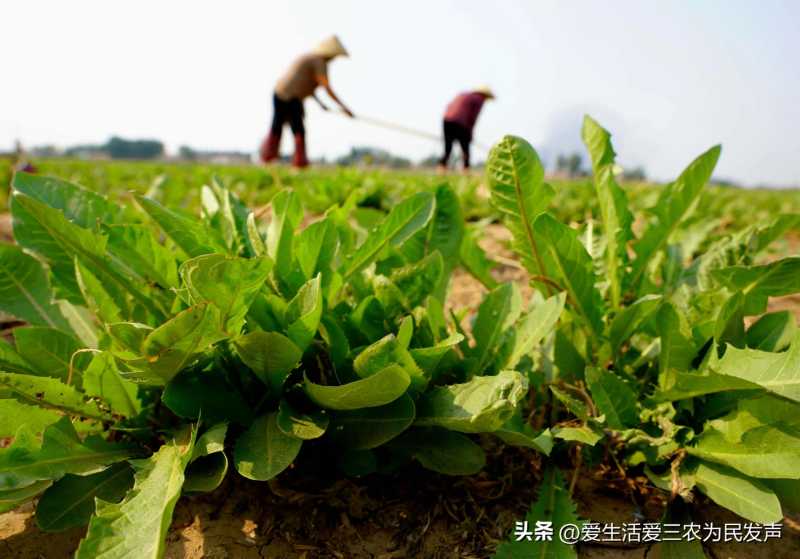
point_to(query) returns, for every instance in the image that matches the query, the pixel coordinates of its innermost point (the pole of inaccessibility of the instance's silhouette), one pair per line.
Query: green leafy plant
(161, 346)
(656, 358)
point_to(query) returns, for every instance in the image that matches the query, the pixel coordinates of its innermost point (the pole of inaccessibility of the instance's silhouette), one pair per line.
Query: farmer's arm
(323, 81)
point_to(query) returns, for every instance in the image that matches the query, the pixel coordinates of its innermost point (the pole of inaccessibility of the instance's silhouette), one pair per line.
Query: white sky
(669, 79)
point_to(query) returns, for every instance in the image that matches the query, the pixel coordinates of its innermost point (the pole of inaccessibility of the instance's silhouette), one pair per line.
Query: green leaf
(191, 235)
(213, 440)
(758, 411)
(229, 282)
(79, 205)
(372, 427)
(315, 248)
(137, 526)
(254, 236)
(788, 491)
(107, 306)
(628, 320)
(443, 235)
(613, 397)
(428, 358)
(405, 331)
(517, 433)
(678, 548)
(376, 390)
(50, 393)
(209, 464)
(102, 379)
(60, 452)
(409, 286)
(25, 290)
(573, 405)
(81, 321)
(677, 347)
(128, 338)
(518, 191)
(729, 325)
(59, 241)
(777, 372)
(683, 386)
(497, 313)
(746, 497)
(758, 283)
(271, 356)
(552, 505)
(138, 247)
(405, 219)
(474, 259)
(572, 266)
(11, 499)
(206, 395)
(264, 451)
(287, 214)
(47, 231)
(529, 331)
(387, 352)
(49, 352)
(442, 451)
(304, 426)
(764, 452)
(583, 434)
(175, 344)
(617, 218)
(12, 361)
(304, 312)
(369, 318)
(772, 332)
(481, 405)
(674, 203)
(70, 501)
(14, 414)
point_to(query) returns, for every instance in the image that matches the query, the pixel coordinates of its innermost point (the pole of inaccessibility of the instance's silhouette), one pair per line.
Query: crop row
(165, 346)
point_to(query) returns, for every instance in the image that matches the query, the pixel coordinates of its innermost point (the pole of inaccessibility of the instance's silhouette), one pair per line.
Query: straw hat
(485, 90)
(331, 47)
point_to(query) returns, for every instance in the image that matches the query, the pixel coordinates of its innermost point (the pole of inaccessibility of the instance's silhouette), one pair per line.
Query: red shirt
(464, 109)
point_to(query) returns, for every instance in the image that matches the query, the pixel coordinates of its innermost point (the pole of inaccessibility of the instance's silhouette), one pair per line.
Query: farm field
(239, 361)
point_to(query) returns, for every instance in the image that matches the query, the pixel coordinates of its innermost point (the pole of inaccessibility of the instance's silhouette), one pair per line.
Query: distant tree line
(373, 156)
(572, 166)
(119, 148)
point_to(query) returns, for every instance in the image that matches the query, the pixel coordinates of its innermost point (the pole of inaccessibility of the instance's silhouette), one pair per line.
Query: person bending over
(459, 121)
(300, 81)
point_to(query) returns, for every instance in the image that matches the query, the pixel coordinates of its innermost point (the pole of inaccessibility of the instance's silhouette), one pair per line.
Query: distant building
(186, 153)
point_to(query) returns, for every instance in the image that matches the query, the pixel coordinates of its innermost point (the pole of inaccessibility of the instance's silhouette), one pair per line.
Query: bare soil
(6, 231)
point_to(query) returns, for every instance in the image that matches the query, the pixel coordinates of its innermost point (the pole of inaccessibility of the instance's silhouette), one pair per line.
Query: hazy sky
(669, 79)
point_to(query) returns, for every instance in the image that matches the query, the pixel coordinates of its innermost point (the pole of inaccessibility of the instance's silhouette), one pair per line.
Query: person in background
(301, 81)
(459, 121)
(21, 163)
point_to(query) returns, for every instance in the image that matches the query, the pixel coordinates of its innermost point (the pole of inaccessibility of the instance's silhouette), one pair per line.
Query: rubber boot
(300, 160)
(269, 147)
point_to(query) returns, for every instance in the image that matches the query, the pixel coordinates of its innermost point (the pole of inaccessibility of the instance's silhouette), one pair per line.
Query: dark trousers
(290, 111)
(455, 132)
